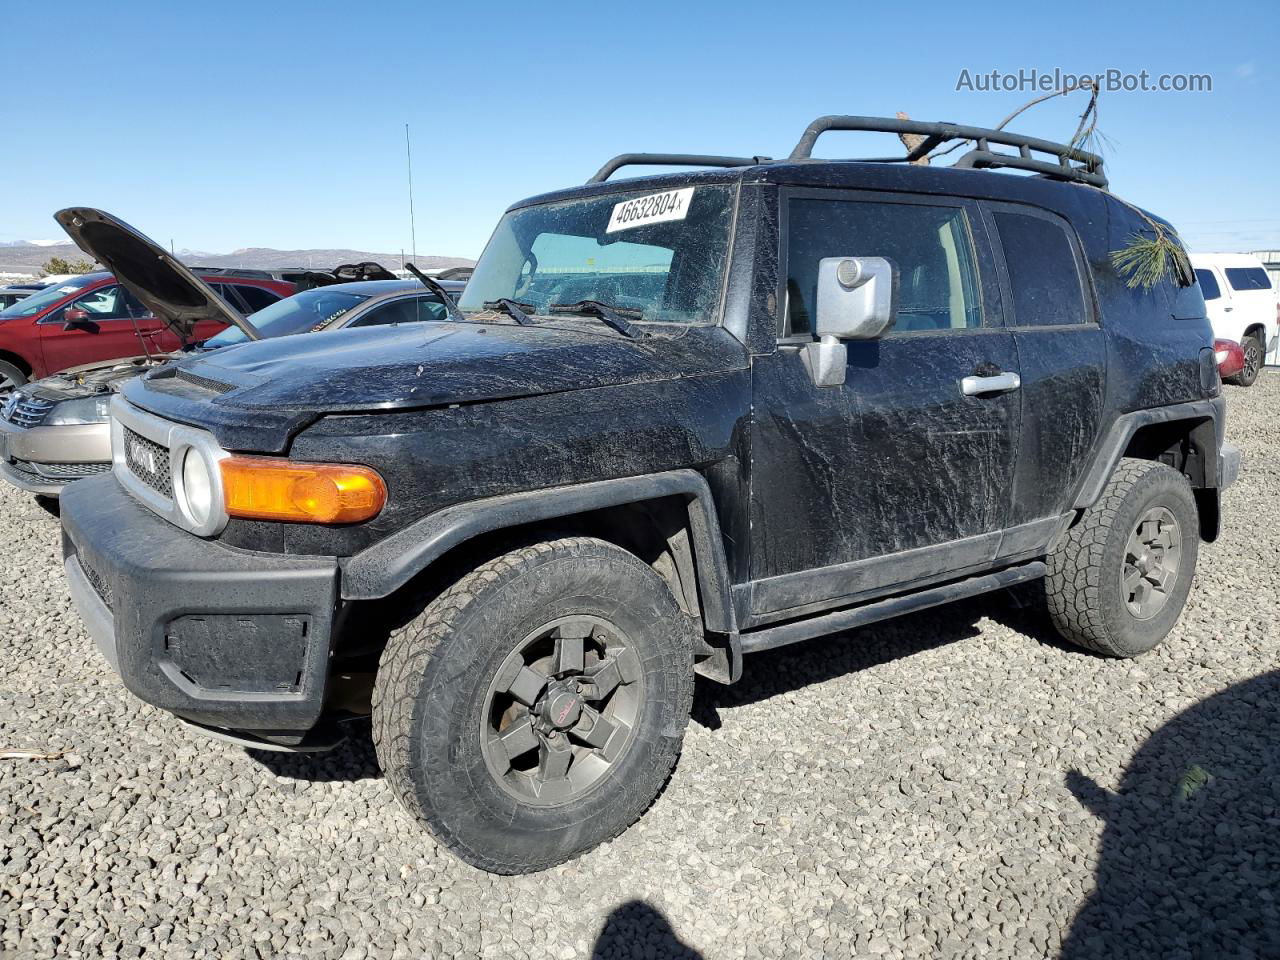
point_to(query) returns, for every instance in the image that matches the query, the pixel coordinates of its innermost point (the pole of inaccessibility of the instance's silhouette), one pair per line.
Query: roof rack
(671, 160)
(1073, 164)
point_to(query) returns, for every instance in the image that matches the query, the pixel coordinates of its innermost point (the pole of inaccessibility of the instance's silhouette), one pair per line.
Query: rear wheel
(1254, 353)
(536, 708)
(1118, 580)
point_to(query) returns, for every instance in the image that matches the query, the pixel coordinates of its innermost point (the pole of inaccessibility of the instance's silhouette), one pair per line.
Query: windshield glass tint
(48, 296)
(313, 310)
(661, 253)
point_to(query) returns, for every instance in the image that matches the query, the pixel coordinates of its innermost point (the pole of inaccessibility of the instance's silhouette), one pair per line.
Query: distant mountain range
(25, 256)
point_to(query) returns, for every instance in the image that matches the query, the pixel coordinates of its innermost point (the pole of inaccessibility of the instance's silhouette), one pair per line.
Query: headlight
(1220, 355)
(80, 410)
(197, 488)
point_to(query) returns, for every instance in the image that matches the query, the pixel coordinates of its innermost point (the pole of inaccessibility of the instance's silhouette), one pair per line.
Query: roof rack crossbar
(1073, 163)
(671, 160)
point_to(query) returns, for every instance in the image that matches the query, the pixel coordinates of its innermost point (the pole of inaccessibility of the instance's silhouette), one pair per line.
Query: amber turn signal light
(266, 488)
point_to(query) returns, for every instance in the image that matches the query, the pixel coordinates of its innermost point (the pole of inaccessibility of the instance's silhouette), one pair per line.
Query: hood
(153, 275)
(432, 364)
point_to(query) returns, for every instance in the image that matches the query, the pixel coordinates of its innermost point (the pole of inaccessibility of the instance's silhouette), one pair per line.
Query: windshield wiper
(434, 285)
(517, 311)
(615, 317)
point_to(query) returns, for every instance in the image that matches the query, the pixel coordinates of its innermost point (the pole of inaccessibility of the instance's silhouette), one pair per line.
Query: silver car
(57, 430)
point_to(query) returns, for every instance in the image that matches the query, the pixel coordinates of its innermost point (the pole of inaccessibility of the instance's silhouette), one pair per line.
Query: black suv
(672, 421)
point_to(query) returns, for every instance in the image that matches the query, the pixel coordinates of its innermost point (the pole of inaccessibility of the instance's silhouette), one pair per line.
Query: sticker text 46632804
(654, 208)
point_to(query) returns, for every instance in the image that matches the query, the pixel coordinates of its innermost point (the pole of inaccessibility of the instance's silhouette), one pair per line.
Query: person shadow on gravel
(1189, 864)
(637, 930)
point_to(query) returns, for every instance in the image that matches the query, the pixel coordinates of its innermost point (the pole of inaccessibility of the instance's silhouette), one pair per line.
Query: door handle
(972, 386)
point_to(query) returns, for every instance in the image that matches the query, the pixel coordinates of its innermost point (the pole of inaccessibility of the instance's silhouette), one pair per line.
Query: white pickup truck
(1243, 306)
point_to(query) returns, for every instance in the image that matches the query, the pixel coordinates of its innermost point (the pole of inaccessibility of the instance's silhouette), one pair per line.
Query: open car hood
(153, 275)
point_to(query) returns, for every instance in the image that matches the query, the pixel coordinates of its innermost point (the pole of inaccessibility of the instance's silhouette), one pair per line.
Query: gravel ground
(957, 783)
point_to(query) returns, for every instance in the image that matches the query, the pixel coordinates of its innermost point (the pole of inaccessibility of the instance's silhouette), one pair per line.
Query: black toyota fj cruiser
(672, 421)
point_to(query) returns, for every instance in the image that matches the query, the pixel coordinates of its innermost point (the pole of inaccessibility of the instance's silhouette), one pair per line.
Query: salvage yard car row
(669, 421)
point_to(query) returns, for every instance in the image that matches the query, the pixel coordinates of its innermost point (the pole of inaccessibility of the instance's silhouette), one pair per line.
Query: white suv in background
(1242, 306)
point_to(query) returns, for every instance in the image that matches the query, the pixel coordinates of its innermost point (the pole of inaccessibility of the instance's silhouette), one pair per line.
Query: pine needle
(1145, 261)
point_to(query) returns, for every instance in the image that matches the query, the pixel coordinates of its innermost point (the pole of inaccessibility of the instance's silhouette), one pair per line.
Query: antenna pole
(413, 235)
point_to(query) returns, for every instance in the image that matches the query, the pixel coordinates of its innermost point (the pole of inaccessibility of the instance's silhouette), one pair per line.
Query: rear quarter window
(256, 297)
(1248, 278)
(1044, 275)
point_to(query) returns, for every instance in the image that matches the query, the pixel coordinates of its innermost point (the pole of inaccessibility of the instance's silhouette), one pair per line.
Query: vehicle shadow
(637, 929)
(787, 669)
(1189, 864)
(353, 759)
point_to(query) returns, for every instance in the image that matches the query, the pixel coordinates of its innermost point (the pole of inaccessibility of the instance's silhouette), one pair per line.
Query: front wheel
(537, 707)
(10, 377)
(1118, 580)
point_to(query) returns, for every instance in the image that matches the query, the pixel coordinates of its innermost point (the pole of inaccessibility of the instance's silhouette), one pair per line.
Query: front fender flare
(389, 564)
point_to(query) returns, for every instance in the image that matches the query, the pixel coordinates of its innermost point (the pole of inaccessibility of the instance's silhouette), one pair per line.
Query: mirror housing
(857, 297)
(75, 318)
(857, 300)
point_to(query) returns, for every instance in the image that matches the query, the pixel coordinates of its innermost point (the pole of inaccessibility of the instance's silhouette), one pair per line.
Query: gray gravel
(939, 786)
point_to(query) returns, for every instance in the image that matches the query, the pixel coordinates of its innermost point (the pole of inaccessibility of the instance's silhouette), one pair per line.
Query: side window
(1208, 284)
(255, 297)
(228, 293)
(1248, 278)
(1043, 273)
(397, 311)
(105, 303)
(938, 286)
(430, 308)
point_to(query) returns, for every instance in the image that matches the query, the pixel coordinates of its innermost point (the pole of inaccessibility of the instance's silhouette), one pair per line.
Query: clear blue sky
(281, 124)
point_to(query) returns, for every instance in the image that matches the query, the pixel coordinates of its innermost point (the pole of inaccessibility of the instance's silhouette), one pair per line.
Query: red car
(1230, 357)
(92, 318)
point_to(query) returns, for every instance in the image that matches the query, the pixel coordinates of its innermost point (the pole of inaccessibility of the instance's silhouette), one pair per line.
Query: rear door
(898, 476)
(1062, 361)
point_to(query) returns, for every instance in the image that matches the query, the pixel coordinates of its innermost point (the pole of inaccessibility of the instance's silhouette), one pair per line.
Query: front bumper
(43, 460)
(222, 637)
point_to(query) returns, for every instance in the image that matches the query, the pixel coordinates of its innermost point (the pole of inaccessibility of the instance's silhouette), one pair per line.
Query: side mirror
(76, 318)
(857, 300)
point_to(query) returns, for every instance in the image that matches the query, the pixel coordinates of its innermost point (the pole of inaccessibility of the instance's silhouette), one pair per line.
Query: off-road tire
(1255, 352)
(432, 683)
(1083, 585)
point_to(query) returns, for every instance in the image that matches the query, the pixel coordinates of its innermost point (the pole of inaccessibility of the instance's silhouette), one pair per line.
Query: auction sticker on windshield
(655, 208)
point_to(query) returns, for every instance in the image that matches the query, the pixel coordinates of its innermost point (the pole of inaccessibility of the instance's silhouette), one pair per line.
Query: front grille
(100, 586)
(59, 472)
(148, 461)
(205, 383)
(25, 411)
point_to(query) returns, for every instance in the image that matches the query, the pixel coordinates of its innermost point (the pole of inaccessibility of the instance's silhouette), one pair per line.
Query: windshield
(48, 296)
(662, 254)
(310, 310)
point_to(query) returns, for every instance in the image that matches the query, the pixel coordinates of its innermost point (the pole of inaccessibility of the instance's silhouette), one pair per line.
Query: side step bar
(770, 637)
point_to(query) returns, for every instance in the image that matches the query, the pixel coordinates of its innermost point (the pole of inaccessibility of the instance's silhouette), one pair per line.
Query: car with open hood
(56, 430)
(92, 318)
(672, 421)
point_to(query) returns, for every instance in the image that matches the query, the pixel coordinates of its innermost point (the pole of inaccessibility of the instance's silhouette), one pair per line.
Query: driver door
(899, 475)
(109, 331)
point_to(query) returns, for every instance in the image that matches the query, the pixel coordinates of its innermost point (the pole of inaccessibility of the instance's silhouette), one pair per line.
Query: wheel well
(657, 531)
(1261, 330)
(17, 361)
(1184, 445)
